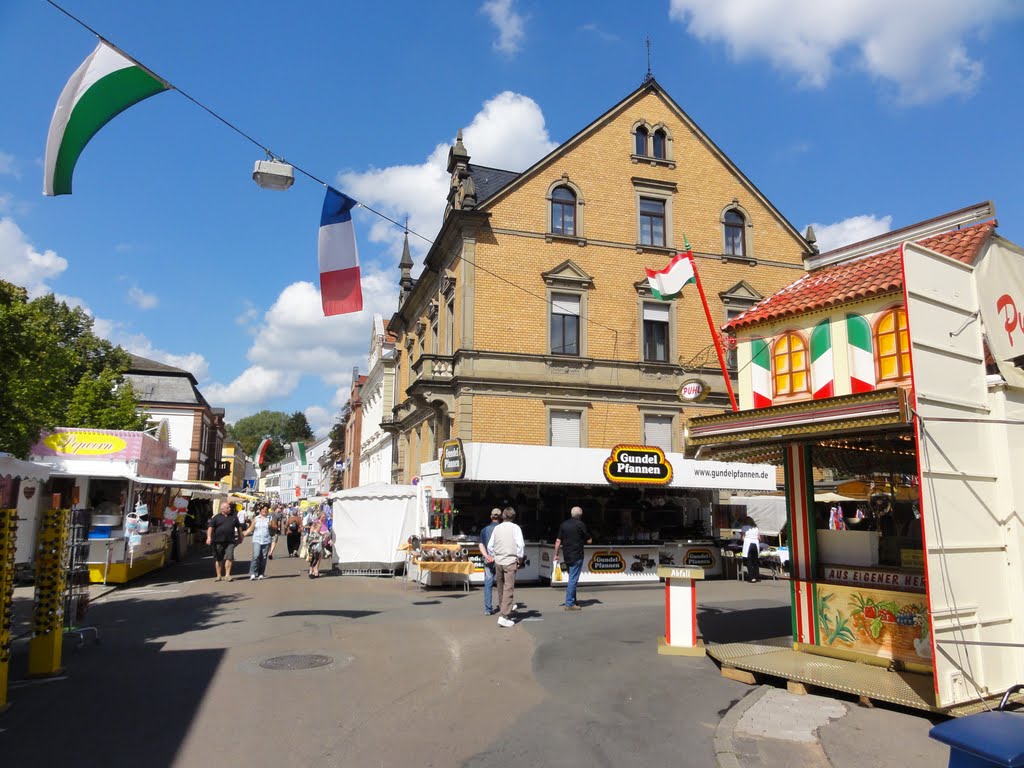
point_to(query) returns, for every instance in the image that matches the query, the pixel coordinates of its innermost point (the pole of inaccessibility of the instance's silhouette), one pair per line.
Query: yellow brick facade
(490, 262)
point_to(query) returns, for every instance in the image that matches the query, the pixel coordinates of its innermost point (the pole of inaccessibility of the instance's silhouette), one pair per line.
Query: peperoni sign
(637, 465)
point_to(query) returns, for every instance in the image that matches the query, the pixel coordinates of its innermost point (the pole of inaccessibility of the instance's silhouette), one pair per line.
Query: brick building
(532, 324)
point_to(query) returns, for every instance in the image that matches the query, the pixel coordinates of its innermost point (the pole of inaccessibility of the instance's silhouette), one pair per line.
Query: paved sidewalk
(772, 728)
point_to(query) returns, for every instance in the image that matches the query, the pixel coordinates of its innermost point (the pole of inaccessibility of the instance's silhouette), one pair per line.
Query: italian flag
(761, 373)
(862, 361)
(261, 451)
(299, 451)
(106, 84)
(822, 371)
(666, 284)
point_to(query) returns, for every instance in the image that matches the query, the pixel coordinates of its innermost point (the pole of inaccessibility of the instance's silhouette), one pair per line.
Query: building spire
(405, 282)
(648, 77)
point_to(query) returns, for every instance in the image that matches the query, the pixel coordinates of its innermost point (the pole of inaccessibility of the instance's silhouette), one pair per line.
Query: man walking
(485, 536)
(223, 533)
(507, 548)
(572, 535)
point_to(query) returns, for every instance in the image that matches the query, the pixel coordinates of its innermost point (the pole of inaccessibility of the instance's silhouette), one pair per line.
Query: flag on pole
(261, 451)
(340, 289)
(106, 84)
(666, 284)
(299, 451)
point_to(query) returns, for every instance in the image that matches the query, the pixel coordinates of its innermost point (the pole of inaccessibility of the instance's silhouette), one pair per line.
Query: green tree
(297, 428)
(106, 401)
(249, 431)
(46, 349)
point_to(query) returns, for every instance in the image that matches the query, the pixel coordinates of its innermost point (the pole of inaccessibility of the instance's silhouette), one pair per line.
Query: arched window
(735, 236)
(892, 343)
(658, 144)
(789, 365)
(563, 211)
(641, 141)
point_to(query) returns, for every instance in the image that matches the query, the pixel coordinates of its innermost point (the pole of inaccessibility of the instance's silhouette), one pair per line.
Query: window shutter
(565, 429)
(565, 304)
(658, 432)
(657, 312)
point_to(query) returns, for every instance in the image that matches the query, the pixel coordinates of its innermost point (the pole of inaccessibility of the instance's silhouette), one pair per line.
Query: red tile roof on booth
(863, 278)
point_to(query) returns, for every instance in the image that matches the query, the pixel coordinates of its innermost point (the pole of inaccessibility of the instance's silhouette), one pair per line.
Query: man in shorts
(223, 533)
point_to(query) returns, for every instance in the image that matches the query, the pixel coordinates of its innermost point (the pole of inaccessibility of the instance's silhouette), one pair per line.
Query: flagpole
(714, 334)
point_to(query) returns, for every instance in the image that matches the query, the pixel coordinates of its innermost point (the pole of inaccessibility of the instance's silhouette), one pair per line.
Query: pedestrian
(315, 542)
(293, 533)
(485, 536)
(508, 550)
(276, 526)
(262, 531)
(224, 532)
(751, 549)
(572, 535)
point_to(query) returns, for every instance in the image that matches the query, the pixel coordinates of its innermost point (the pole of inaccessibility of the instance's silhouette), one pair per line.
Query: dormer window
(640, 147)
(563, 211)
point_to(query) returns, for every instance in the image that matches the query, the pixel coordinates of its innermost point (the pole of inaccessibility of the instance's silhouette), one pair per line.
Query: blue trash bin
(985, 740)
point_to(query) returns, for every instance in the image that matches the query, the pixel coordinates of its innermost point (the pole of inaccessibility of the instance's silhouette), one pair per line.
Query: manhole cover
(296, 661)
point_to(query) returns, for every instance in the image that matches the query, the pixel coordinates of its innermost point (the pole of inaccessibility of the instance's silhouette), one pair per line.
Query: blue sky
(856, 116)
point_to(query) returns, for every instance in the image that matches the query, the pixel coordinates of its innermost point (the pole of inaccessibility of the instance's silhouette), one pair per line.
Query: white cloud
(595, 30)
(916, 45)
(511, 25)
(508, 132)
(22, 264)
(255, 385)
(320, 420)
(248, 315)
(851, 230)
(8, 167)
(141, 299)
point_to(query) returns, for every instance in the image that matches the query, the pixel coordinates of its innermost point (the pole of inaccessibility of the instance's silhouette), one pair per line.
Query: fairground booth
(893, 366)
(119, 489)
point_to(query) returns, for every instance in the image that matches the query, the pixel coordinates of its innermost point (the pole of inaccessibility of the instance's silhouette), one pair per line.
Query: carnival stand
(873, 367)
(123, 481)
(644, 507)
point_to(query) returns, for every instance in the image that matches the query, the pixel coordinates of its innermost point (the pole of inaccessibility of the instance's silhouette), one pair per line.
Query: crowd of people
(309, 534)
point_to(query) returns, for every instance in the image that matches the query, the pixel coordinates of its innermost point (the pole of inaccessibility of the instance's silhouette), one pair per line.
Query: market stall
(120, 484)
(644, 507)
(372, 523)
(920, 575)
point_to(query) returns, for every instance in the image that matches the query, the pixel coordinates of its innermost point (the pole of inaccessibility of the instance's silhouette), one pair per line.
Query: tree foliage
(47, 350)
(279, 426)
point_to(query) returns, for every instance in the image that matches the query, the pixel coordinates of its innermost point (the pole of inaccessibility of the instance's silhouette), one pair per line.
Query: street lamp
(273, 174)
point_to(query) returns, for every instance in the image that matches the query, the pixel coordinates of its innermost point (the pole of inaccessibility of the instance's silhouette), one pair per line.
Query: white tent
(371, 523)
(24, 470)
(769, 512)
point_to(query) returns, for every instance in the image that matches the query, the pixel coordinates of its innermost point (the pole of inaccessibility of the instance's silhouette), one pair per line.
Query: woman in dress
(315, 542)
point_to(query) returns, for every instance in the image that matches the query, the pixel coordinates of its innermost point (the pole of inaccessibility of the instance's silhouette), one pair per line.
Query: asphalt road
(416, 677)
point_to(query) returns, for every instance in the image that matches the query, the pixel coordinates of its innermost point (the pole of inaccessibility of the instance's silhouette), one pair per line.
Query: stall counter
(112, 561)
(608, 564)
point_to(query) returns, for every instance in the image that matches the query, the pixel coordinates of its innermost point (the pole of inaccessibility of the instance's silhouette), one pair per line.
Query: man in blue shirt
(485, 536)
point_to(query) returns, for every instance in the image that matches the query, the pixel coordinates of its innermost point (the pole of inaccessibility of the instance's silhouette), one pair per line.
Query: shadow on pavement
(342, 613)
(126, 692)
(721, 625)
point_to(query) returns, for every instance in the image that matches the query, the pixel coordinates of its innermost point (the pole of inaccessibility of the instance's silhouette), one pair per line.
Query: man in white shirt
(509, 551)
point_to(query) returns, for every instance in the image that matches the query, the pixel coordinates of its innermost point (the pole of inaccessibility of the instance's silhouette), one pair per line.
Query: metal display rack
(76, 589)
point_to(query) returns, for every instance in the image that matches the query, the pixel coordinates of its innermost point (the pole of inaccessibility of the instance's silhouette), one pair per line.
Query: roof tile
(870, 276)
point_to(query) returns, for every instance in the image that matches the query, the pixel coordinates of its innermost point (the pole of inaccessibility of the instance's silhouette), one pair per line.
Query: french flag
(340, 289)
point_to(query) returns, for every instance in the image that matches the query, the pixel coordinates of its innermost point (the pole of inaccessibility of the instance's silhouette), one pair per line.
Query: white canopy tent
(769, 512)
(371, 523)
(16, 469)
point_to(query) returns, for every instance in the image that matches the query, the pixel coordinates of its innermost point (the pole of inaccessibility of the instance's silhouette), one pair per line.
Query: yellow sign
(84, 443)
(912, 558)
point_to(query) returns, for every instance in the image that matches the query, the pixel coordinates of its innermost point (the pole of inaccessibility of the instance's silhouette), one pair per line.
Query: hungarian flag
(299, 451)
(106, 84)
(666, 284)
(261, 451)
(340, 289)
